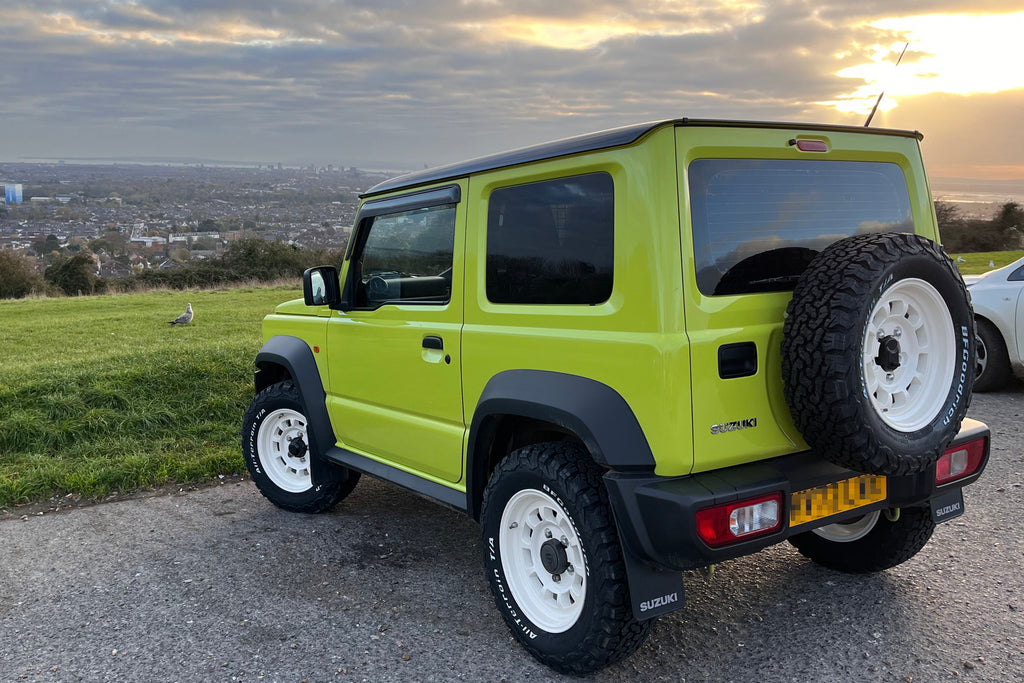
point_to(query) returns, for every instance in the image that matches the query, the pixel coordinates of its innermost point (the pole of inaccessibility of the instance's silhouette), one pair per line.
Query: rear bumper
(656, 516)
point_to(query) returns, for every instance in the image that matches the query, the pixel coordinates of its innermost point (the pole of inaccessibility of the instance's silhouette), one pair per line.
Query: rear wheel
(554, 562)
(275, 445)
(871, 543)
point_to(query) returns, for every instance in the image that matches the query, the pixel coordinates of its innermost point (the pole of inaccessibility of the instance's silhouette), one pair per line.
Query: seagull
(184, 318)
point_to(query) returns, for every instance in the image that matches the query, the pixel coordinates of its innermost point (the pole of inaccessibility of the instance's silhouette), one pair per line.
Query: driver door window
(395, 365)
(407, 258)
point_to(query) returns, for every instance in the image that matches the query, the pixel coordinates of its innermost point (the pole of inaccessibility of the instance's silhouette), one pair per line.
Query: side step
(439, 492)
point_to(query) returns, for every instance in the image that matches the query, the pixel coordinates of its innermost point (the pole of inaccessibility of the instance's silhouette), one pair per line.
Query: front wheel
(275, 446)
(992, 369)
(873, 542)
(554, 561)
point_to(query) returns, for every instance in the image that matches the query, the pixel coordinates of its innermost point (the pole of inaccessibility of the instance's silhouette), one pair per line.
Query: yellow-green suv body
(606, 314)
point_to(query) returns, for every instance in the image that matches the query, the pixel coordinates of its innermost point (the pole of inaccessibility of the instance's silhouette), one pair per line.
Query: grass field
(978, 263)
(100, 394)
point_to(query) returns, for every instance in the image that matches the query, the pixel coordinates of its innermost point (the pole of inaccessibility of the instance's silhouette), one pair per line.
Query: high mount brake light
(740, 520)
(809, 145)
(959, 462)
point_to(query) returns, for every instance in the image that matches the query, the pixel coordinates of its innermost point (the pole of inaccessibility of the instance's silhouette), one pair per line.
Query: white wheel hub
(286, 465)
(909, 355)
(543, 560)
(846, 532)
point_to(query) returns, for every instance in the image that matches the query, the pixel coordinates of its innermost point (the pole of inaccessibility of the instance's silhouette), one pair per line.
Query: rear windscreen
(758, 223)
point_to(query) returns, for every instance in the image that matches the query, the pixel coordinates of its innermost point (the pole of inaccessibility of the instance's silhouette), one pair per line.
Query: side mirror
(320, 286)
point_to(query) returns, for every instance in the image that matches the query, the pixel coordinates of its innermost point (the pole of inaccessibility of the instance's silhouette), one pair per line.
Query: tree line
(259, 260)
(247, 260)
(1003, 231)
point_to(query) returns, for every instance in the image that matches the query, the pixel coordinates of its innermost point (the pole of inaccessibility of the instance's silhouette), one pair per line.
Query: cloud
(407, 83)
(960, 132)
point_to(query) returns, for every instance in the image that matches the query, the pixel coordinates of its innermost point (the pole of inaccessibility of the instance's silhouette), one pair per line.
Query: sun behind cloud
(959, 54)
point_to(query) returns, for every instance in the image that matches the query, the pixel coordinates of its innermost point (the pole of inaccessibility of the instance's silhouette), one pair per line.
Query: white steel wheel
(846, 532)
(543, 560)
(909, 355)
(286, 464)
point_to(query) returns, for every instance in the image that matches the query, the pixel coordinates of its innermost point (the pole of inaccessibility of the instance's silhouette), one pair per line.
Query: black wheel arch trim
(591, 410)
(295, 356)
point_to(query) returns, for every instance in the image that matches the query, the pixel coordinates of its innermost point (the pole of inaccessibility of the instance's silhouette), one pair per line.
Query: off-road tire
(885, 546)
(275, 415)
(993, 363)
(854, 408)
(603, 630)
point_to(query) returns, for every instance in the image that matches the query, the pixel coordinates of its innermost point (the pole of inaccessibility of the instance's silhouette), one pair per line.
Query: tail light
(959, 462)
(741, 520)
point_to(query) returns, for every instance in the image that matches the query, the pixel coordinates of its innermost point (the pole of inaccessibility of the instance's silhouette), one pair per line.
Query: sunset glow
(953, 53)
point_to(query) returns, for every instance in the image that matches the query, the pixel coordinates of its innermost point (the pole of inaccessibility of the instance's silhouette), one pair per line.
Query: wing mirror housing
(320, 286)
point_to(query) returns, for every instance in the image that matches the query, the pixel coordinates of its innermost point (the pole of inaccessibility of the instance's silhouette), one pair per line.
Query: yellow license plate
(831, 499)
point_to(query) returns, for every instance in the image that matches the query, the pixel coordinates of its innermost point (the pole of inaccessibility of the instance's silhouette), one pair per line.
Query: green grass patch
(978, 263)
(100, 395)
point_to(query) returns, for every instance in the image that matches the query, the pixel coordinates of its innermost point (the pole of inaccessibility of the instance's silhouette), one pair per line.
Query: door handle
(433, 343)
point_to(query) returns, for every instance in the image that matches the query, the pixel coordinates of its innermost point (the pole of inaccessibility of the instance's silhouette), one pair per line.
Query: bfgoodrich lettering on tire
(554, 562)
(276, 450)
(878, 353)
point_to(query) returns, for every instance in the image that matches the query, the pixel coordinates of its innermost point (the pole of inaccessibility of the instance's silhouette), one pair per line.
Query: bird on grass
(184, 318)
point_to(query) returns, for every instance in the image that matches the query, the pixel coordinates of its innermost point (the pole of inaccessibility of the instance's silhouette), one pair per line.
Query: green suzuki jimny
(633, 353)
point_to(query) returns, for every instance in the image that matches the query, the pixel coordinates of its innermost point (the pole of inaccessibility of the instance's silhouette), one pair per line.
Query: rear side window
(551, 242)
(758, 223)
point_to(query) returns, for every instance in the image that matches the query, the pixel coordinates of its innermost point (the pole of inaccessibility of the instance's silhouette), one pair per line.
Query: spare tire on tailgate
(878, 353)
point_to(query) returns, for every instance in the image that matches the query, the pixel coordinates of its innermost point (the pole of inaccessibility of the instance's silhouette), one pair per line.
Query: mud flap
(947, 506)
(652, 592)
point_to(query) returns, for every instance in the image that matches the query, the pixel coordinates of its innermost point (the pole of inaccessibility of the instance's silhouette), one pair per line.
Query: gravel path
(218, 585)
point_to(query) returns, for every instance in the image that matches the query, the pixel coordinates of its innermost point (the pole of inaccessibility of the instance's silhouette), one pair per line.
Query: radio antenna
(882, 94)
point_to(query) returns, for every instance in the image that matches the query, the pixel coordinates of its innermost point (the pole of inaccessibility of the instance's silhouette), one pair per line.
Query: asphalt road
(218, 585)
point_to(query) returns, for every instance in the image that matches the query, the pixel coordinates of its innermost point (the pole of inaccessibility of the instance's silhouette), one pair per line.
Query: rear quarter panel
(635, 341)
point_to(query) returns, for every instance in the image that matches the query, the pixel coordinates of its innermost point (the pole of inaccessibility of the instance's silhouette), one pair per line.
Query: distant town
(136, 217)
(129, 218)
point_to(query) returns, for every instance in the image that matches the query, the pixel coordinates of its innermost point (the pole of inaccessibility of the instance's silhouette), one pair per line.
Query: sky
(401, 84)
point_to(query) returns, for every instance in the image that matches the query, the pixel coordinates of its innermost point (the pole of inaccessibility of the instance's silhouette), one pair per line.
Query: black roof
(605, 139)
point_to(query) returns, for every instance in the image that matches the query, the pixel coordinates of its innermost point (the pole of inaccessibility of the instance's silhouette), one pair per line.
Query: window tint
(551, 242)
(1017, 275)
(758, 223)
(407, 257)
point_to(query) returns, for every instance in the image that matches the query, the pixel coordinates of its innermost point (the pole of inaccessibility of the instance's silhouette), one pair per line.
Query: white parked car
(998, 299)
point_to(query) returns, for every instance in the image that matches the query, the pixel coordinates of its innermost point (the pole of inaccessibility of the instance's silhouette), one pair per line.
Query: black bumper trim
(656, 515)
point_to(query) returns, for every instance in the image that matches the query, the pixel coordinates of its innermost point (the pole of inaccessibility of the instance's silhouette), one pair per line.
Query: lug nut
(897, 333)
(547, 533)
(556, 578)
